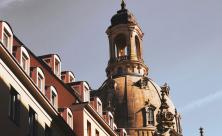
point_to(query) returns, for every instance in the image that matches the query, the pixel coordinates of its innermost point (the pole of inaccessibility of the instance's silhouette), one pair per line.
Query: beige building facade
(22, 113)
(39, 99)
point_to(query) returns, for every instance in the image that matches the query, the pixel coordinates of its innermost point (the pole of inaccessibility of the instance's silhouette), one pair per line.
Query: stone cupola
(125, 45)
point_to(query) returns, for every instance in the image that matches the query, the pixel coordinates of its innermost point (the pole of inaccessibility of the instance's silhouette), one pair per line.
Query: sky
(182, 46)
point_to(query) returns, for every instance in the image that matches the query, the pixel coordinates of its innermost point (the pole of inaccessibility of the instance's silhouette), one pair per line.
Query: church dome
(123, 16)
(157, 88)
(140, 92)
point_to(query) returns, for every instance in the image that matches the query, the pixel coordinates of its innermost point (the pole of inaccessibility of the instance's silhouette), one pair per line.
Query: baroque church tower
(139, 105)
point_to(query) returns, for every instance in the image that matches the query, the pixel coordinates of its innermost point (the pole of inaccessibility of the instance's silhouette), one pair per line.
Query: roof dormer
(22, 56)
(52, 96)
(38, 77)
(67, 115)
(108, 116)
(6, 35)
(82, 88)
(96, 103)
(54, 62)
(67, 76)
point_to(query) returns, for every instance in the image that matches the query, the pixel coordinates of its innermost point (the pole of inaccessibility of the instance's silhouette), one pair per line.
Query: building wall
(1, 30)
(14, 75)
(27, 100)
(65, 98)
(8, 127)
(94, 125)
(78, 122)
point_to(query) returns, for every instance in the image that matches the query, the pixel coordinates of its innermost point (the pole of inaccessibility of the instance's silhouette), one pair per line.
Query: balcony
(122, 58)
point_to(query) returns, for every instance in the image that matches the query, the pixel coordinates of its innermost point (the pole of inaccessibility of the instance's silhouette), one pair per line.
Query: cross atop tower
(123, 4)
(201, 131)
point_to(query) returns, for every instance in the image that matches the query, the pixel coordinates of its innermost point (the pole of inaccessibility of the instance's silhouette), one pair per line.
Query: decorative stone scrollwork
(143, 83)
(164, 117)
(166, 89)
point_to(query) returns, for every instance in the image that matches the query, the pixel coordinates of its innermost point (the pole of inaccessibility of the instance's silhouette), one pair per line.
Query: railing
(120, 58)
(123, 58)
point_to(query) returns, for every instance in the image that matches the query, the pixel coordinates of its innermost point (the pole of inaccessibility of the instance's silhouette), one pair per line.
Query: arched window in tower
(137, 47)
(121, 46)
(148, 116)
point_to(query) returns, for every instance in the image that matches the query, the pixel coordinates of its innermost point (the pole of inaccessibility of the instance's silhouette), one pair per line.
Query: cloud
(6, 3)
(201, 102)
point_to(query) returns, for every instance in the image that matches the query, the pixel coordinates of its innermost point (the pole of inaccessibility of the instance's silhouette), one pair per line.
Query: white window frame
(86, 95)
(99, 106)
(69, 119)
(57, 70)
(6, 30)
(86, 92)
(53, 91)
(6, 37)
(111, 119)
(41, 74)
(40, 81)
(24, 54)
(57, 67)
(71, 77)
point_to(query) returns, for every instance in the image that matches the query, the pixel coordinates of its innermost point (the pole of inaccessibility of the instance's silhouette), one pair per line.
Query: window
(99, 110)
(40, 82)
(14, 109)
(88, 128)
(38, 77)
(86, 94)
(121, 46)
(97, 133)
(57, 67)
(137, 47)
(47, 130)
(6, 38)
(70, 119)
(24, 62)
(54, 99)
(149, 116)
(32, 122)
(111, 121)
